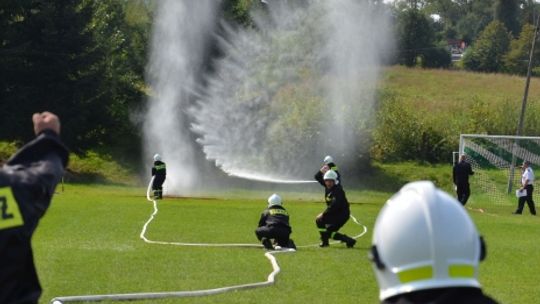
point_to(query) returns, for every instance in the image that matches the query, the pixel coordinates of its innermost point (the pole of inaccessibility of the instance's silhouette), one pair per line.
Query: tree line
(85, 59)
(498, 33)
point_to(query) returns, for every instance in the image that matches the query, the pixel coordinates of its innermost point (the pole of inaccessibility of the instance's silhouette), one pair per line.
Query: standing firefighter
(460, 173)
(328, 164)
(159, 172)
(274, 225)
(27, 183)
(336, 214)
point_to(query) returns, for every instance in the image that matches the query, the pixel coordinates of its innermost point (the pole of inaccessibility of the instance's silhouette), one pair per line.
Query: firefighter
(336, 214)
(328, 164)
(27, 182)
(159, 172)
(274, 225)
(426, 249)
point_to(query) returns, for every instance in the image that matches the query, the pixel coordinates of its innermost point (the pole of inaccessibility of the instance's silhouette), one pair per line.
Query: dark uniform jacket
(337, 206)
(461, 172)
(27, 183)
(159, 169)
(456, 295)
(275, 216)
(319, 176)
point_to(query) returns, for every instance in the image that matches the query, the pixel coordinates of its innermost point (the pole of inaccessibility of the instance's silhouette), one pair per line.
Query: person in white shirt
(527, 181)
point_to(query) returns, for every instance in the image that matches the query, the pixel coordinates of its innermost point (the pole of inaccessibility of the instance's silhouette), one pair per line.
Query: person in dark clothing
(461, 295)
(527, 181)
(27, 183)
(336, 214)
(460, 173)
(426, 249)
(328, 164)
(274, 225)
(159, 171)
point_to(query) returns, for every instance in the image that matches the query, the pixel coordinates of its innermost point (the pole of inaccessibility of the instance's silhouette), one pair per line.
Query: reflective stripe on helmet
(426, 273)
(461, 271)
(415, 274)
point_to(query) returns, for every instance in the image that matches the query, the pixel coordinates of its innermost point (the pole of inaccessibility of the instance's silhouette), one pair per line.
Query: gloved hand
(44, 121)
(324, 169)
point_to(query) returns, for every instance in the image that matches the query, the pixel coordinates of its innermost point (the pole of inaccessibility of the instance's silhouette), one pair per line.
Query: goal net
(492, 158)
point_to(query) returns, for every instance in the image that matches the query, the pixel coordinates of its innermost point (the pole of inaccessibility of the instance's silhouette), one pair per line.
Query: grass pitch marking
(193, 293)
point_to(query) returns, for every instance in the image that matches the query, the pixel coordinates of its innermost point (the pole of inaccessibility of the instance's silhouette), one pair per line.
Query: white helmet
(330, 175)
(424, 239)
(328, 159)
(157, 157)
(274, 200)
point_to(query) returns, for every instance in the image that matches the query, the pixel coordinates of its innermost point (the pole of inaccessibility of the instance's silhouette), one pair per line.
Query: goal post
(494, 158)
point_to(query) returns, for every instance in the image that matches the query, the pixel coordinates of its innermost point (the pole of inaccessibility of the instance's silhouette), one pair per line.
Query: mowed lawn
(88, 243)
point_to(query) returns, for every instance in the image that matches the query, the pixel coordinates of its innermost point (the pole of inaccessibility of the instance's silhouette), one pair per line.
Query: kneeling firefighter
(336, 214)
(274, 225)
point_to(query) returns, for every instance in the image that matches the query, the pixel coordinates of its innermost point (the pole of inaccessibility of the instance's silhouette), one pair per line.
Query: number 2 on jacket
(10, 216)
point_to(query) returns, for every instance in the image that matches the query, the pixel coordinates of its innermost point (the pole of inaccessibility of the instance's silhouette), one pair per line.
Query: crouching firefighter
(274, 225)
(336, 214)
(159, 172)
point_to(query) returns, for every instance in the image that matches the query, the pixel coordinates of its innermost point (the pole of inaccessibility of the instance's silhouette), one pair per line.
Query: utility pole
(519, 131)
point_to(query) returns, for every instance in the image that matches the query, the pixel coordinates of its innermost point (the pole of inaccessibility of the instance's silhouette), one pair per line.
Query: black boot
(267, 244)
(291, 244)
(350, 242)
(324, 240)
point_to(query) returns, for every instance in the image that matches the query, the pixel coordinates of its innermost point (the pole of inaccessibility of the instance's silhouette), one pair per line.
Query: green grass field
(88, 243)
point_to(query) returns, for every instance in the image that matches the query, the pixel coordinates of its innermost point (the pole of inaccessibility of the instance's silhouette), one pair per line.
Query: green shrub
(436, 58)
(94, 167)
(7, 149)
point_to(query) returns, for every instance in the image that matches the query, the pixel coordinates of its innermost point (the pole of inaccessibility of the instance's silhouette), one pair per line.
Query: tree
(436, 57)
(517, 59)
(417, 41)
(486, 54)
(507, 12)
(78, 58)
(415, 35)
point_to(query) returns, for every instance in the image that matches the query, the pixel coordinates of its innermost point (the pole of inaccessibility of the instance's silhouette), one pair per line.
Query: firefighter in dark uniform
(460, 173)
(159, 171)
(336, 214)
(274, 225)
(27, 182)
(328, 164)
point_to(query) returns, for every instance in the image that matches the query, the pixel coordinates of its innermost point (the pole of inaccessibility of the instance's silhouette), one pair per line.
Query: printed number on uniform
(10, 216)
(4, 209)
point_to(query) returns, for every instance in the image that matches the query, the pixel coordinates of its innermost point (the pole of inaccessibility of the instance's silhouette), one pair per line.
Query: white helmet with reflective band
(424, 239)
(328, 159)
(330, 175)
(157, 157)
(273, 200)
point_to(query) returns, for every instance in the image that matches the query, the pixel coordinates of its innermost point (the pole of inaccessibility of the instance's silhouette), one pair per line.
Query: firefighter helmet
(424, 239)
(330, 175)
(157, 157)
(274, 199)
(328, 159)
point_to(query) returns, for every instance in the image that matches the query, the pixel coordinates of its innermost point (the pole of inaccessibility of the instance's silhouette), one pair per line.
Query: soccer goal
(496, 161)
